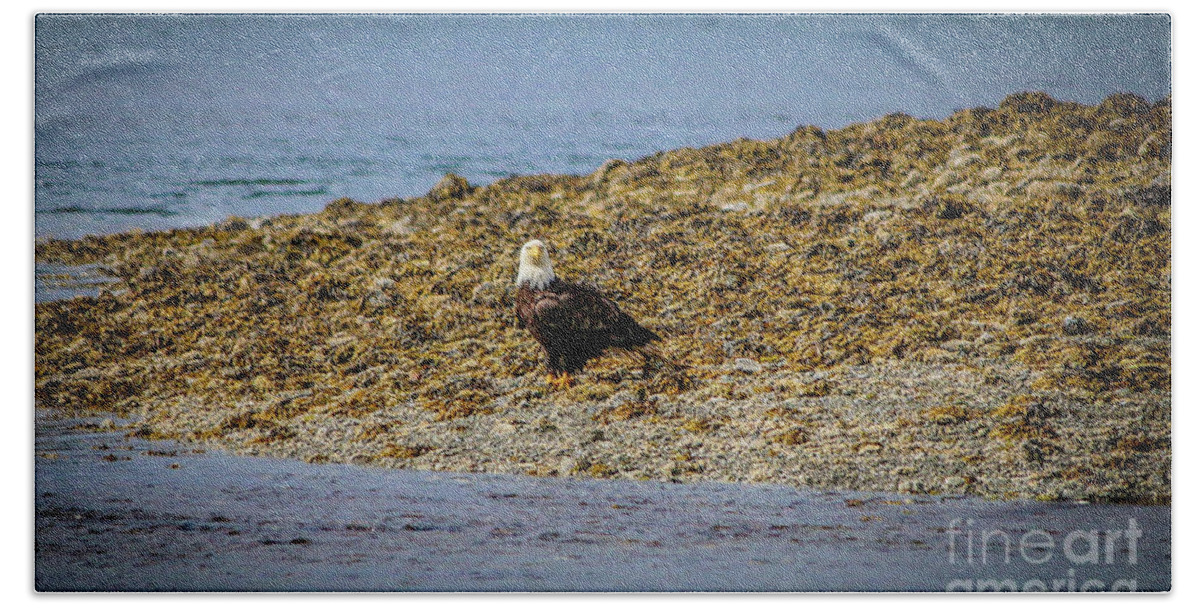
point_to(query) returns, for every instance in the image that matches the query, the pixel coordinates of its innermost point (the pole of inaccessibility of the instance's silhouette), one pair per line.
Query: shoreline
(160, 516)
(958, 307)
(718, 440)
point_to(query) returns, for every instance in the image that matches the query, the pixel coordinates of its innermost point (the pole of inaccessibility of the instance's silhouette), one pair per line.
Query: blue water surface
(155, 121)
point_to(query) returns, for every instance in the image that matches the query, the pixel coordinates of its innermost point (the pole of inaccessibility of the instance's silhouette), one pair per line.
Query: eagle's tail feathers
(651, 352)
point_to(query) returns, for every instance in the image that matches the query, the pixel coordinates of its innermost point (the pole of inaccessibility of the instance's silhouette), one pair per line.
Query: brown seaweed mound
(979, 304)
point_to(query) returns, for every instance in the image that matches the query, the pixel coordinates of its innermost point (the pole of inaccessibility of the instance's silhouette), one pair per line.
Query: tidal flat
(977, 306)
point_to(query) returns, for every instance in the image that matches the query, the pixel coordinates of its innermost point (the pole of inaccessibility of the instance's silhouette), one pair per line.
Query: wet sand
(114, 513)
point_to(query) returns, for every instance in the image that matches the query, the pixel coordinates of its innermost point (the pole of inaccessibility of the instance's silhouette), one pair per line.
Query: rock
(948, 178)
(400, 227)
(1074, 326)
(378, 299)
(912, 179)
(948, 208)
(149, 273)
(747, 366)
(1042, 189)
(1125, 308)
(1157, 194)
(607, 171)
(1028, 102)
(232, 224)
(877, 215)
(1154, 147)
(883, 237)
(568, 466)
(954, 484)
(957, 346)
(489, 292)
(621, 398)
(735, 207)
(1125, 105)
(1133, 226)
(991, 174)
(867, 447)
(758, 185)
(761, 472)
(962, 159)
(451, 187)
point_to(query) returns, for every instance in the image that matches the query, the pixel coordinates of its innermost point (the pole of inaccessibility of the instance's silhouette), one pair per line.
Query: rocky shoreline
(978, 305)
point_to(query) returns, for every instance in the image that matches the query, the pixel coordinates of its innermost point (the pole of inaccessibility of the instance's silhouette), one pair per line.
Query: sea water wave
(162, 121)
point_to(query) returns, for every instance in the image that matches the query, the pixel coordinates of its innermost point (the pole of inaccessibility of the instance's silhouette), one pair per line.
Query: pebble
(747, 366)
(451, 187)
(954, 483)
(1074, 326)
(378, 299)
(233, 224)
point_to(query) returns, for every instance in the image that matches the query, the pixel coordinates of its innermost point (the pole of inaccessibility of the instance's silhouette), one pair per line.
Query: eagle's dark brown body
(574, 324)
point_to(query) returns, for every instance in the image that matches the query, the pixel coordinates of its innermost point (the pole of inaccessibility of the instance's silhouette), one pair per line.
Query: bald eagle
(572, 322)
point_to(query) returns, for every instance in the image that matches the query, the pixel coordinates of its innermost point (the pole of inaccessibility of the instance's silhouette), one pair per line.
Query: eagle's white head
(535, 269)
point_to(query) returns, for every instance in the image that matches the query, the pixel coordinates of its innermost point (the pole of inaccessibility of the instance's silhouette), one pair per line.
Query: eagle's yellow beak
(535, 253)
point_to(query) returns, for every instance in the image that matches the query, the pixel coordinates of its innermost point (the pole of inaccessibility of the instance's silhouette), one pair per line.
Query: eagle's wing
(576, 309)
(578, 312)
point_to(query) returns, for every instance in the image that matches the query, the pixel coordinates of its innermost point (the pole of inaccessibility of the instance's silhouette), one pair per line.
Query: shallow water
(53, 281)
(121, 514)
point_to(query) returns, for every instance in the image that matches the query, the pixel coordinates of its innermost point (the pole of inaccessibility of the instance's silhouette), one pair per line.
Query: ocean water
(117, 513)
(156, 121)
